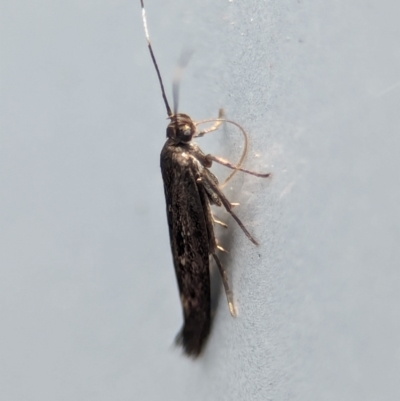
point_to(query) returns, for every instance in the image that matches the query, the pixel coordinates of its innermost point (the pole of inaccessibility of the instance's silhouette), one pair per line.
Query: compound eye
(185, 133)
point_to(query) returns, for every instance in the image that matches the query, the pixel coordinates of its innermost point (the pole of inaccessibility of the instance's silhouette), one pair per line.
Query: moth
(190, 190)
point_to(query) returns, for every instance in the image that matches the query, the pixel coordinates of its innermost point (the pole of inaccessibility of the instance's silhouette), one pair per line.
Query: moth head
(181, 128)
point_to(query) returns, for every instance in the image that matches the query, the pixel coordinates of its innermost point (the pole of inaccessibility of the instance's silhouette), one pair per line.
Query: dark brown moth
(190, 190)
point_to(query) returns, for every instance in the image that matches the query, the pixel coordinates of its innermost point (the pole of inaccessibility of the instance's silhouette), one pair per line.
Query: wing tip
(192, 337)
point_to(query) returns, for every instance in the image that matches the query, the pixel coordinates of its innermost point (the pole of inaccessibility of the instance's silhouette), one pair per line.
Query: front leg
(225, 163)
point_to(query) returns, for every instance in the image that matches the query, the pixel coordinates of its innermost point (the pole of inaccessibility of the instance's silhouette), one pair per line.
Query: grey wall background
(88, 300)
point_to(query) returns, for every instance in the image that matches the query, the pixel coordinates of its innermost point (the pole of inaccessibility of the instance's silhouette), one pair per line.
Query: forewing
(187, 221)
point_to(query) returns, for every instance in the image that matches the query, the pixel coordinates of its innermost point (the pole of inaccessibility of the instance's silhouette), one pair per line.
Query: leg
(228, 206)
(228, 292)
(229, 165)
(219, 247)
(221, 223)
(223, 119)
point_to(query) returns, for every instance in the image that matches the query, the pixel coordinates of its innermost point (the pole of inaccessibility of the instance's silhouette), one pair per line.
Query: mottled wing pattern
(189, 226)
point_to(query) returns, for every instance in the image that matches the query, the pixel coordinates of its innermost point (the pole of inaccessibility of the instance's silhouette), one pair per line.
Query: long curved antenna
(244, 153)
(169, 112)
(183, 62)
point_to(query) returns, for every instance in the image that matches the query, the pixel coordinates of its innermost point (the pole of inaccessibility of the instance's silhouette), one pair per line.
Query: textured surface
(88, 301)
(192, 238)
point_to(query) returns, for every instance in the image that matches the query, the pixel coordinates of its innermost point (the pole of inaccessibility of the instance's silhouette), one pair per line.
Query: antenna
(169, 112)
(183, 62)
